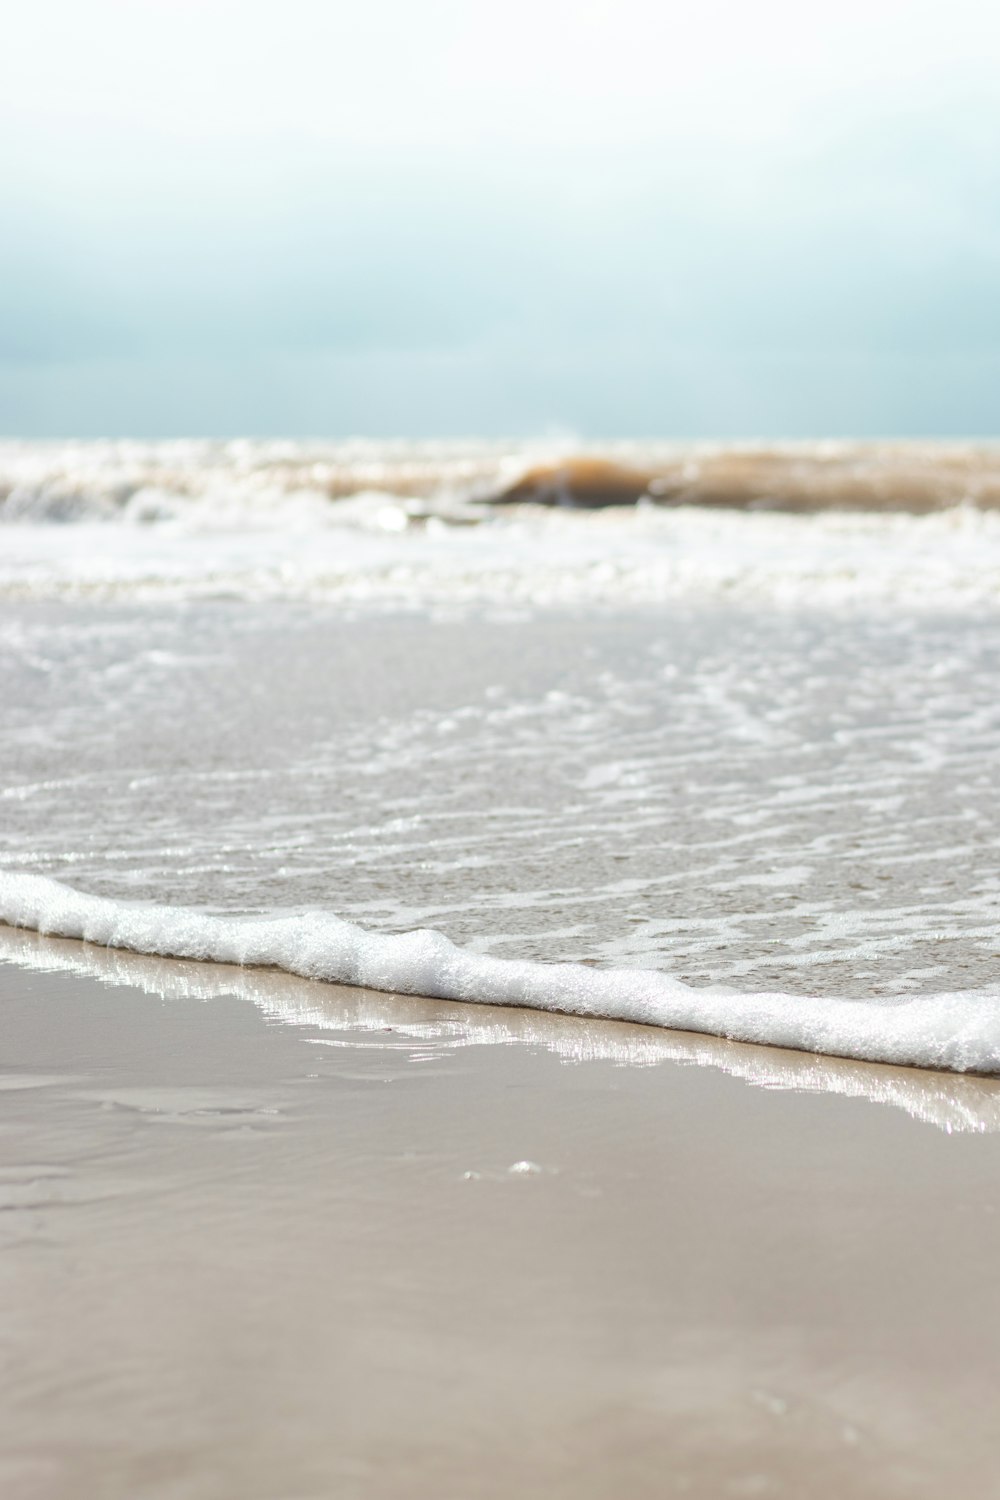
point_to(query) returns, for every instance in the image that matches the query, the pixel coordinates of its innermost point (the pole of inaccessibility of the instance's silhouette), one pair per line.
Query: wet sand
(271, 1240)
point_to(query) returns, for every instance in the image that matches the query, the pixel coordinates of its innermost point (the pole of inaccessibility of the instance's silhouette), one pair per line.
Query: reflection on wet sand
(952, 1102)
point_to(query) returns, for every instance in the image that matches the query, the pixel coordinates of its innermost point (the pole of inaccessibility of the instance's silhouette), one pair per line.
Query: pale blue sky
(442, 218)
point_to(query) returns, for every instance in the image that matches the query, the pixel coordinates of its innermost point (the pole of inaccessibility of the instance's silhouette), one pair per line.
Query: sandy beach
(265, 1237)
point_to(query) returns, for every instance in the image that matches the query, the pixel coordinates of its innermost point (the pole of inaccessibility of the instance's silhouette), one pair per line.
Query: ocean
(439, 719)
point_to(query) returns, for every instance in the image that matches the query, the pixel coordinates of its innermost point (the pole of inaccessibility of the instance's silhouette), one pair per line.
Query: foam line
(958, 1031)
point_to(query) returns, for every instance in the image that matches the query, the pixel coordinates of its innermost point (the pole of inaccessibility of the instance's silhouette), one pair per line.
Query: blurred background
(423, 217)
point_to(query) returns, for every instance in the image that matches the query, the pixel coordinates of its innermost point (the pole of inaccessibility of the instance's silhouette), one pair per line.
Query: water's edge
(956, 1031)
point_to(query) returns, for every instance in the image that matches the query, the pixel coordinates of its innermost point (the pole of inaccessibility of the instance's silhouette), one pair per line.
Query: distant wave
(958, 1032)
(458, 482)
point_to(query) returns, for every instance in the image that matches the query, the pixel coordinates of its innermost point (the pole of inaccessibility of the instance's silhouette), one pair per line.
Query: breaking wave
(216, 482)
(442, 524)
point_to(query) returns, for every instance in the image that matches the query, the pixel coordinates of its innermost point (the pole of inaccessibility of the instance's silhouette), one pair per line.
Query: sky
(430, 218)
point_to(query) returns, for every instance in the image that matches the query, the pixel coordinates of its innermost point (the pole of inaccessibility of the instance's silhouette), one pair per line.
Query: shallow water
(734, 745)
(769, 799)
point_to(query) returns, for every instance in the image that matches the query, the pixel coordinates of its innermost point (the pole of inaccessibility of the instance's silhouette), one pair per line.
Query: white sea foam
(566, 558)
(958, 1031)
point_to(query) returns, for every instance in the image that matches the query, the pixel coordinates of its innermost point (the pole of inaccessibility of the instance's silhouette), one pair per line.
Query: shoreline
(958, 1031)
(951, 1101)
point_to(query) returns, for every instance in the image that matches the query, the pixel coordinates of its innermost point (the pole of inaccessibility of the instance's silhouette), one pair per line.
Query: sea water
(732, 770)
